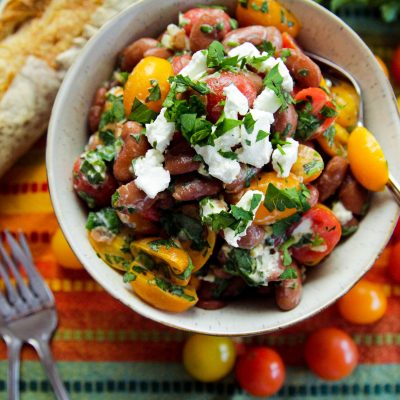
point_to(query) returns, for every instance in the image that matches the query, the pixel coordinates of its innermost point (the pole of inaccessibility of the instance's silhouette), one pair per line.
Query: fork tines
(21, 299)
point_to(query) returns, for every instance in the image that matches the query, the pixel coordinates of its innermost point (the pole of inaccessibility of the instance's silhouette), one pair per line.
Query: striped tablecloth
(106, 351)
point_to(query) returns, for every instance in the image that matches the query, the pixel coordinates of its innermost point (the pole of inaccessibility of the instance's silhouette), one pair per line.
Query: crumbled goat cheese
(152, 178)
(267, 264)
(236, 102)
(167, 39)
(284, 158)
(219, 167)
(159, 133)
(197, 66)
(211, 206)
(268, 101)
(342, 213)
(246, 49)
(253, 152)
(304, 228)
(231, 236)
(269, 63)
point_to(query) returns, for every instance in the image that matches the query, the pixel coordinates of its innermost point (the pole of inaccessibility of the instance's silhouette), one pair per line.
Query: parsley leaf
(184, 82)
(167, 243)
(261, 135)
(154, 91)
(240, 263)
(288, 273)
(274, 81)
(328, 112)
(115, 113)
(215, 55)
(231, 155)
(141, 113)
(281, 199)
(249, 123)
(307, 123)
(313, 167)
(106, 217)
(280, 227)
(93, 167)
(330, 134)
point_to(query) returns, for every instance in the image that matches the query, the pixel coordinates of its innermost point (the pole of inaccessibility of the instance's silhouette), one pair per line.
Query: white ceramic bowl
(323, 34)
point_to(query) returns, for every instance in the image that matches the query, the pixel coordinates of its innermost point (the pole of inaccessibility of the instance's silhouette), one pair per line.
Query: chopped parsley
(115, 113)
(141, 113)
(281, 199)
(106, 217)
(288, 273)
(93, 167)
(307, 123)
(280, 227)
(154, 91)
(167, 243)
(169, 287)
(328, 112)
(244, 3)
(330, 134)
(205, 28)
(313, 167)
(274, 81)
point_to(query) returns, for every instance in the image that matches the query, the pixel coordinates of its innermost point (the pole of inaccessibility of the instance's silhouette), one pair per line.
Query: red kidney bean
(255, 235)
(255, 34)
(332, 177)
(288, 292)
(195, 188)
(132, 54)
(304, 70)
(314, 195)
(215, 20)
(353, 196)
(180, 62)
(160, 52)
(135, 144)
(94, 118)
(285, 121)
(192, 17)
(211, 304)
(133, 200)
(256, 79)
(179, 159)
(247, 172)
(95, 195)
(100, 97)
(139, 224)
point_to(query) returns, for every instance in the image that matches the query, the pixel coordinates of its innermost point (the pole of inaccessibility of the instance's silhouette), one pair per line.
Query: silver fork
(27, 314)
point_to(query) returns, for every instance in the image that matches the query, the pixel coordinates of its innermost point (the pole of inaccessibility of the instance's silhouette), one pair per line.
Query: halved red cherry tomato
(260, 371)
(396, 65)
(331, 354)
(217, 85)
(321, 107)
(365, 303)
(326, 233)
(393, 268)
(191, 17)
(180, 62)
(288, 41)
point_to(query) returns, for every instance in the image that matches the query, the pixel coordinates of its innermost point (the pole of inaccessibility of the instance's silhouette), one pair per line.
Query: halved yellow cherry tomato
(149, 72)
(159, 292)
(167, 250)
(267, 13)
(261, 182)
(324, 85)
(365, 303)
(398, 103)
(62, 251)
(367, 161)
(200, 257)
(114, 252)
(338, 145)
(309, 164)
(348, 104)
(382, 65)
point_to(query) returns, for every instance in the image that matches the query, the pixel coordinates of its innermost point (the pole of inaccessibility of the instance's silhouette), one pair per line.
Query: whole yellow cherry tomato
(167, 250)
(348, 104)
(337, 146)
(115, 251)
(200, 257)
(209, 358)
(261, 182)
(62, 251)
(367, 161)
(382, 65)
(309, 164)
(150, 72)
(267, 13)
(365, 303)
(160, 292)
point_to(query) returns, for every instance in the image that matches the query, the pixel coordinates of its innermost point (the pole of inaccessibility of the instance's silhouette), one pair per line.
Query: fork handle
(14, 352)
(43, 349)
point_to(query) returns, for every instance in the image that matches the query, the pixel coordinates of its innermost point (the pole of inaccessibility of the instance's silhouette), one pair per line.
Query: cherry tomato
(94, 195)
(365, 303)
(267, 13)
(326, 235)
(331, 353)
(62, 251)
(396, 232)
(320, 104)
(208, 358)
(396, 65)
(347, 99)
(148, 73)
(393, 268)
(180, 62)
(217, 85)
(367, 161)
(382, 65)
(192, 16)
(288, 41)
(260, 371)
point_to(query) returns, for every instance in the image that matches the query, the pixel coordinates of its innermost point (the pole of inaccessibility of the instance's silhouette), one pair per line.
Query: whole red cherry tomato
(326, 232)
(260, 371)
(393, 268)
(396, 65)
(331, 353)
(191, 17)
(217, 85)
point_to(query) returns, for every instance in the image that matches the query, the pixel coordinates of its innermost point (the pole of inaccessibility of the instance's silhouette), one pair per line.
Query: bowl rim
(57, 206)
